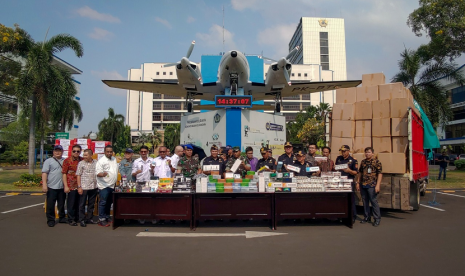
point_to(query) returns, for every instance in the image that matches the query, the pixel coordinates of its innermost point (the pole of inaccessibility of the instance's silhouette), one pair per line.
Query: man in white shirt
(107, 174)
(178, 152)
(142, 167)
(162, 164)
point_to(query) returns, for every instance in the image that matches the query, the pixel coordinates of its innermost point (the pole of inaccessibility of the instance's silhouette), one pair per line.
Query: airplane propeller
(185, 63)
(284, 64)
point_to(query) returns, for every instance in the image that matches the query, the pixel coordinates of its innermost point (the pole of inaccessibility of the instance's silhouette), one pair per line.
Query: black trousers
(72, 206)
(370, 196)
(354, 208)
(89, 196)
(58, 197)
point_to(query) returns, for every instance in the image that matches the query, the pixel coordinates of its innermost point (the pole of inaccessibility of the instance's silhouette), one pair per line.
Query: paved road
(427, 242)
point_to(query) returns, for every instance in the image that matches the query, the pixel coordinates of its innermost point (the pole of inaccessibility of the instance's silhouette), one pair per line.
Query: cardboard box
(360, 143)
(392, 91)
(393, 162)
(343, 112)
(337, 143)
(381, 109)
(399, 127)
(399, 144)
(346, 95)
(363, 128)
(359, 157)
(373, 79)
(367, 93)
(382, 144)
(363, 111)
(345, 129)
(399, 108)
(381, 127)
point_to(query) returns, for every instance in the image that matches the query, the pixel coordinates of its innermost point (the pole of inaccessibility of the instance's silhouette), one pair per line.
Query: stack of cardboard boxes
(373, 115)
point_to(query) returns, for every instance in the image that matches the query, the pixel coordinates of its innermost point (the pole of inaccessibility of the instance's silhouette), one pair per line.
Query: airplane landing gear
(190, 102)
(278, 103)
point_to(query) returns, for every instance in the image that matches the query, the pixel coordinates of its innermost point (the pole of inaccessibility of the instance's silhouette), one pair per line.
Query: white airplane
(233, 79)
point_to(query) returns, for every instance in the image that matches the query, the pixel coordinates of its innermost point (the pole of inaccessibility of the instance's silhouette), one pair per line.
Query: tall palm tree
(420, 76)
(112, 126)
(43, 83)
(71, 111)
(172, 135)
(155, 139)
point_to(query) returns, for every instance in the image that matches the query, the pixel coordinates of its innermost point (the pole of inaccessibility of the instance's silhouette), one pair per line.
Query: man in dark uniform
(213, 159)
(229, 151)
(288, 157)
(301, 163)
(188, 165)
(267, 160)
(351, 171)
(369, 183)
(243, 168)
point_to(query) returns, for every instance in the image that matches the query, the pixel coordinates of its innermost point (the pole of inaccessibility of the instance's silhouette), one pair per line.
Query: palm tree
(155, 139)
(143, 138)
(420, 76)
(43, 83)
(112, 126)
(172, 135)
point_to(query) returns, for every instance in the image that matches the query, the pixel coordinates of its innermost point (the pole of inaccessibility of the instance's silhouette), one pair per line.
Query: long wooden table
(313, 205)
(234, 206)
(151, 206)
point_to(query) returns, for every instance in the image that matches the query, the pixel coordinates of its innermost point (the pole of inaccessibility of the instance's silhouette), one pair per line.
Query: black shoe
(51, 223)
(62, 220)
(83, 224)
(73, 223)
(89, 221)
(376, 223)
(365, 220)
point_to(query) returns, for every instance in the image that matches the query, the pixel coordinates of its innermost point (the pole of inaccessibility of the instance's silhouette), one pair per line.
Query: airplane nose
(234, 54)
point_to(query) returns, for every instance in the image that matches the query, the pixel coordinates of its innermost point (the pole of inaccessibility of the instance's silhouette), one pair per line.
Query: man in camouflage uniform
(188, 165)
(370, 176)
(243, 168)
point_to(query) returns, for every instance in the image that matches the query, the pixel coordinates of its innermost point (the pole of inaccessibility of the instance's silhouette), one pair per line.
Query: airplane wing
(298, 88)
(205, 91)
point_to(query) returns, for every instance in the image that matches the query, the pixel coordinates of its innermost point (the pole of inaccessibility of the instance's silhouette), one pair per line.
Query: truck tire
(415, 195)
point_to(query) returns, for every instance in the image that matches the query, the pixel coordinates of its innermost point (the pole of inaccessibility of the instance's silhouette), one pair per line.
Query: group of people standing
(81, 179)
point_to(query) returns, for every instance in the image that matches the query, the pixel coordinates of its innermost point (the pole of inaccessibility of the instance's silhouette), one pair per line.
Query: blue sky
(119, 35)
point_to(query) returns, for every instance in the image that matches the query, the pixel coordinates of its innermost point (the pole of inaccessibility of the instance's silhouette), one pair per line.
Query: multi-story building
(454, 132)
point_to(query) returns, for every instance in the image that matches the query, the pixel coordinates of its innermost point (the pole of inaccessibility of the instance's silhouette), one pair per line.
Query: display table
(150, 206)
(234, 206)
(313, 205)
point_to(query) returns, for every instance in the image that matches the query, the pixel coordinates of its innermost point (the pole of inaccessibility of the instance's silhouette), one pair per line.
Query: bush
(29, 180)
(460, 164)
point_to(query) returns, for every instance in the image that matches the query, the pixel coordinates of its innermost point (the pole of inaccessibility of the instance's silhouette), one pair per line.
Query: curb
(36, 193)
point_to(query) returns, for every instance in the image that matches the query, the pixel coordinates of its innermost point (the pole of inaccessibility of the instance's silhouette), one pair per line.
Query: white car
(462, 157)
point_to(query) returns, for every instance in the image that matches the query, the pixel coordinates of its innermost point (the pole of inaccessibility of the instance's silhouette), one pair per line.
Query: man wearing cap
(351, 171)
(214, 160)
(301, 163)
(229, 151)
(266, 160)
(243, 167)
(142, 168)
(69, 177)
(125, 166)
(251, 159)
(310, 157)
(52, 185)
(288, 157)
(162, 164)
(188, 165)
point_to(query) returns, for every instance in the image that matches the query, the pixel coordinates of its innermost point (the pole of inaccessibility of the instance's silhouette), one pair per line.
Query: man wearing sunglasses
(71, 185)
(142, 168)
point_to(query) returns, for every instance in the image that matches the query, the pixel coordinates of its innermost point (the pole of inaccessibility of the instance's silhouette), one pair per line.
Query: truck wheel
(415, 196)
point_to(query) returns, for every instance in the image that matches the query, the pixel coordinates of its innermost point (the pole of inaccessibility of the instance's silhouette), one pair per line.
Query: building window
(156, 106)
(306, 97)
(297, 97)
(156, 96)
(305, 75)
(164, 73)
(298, 75)
(170, 106)
(158, 73)
(171, 73)
(156, 116)
(171, 117)
(324, 51)
(458, 94)
(171, 97)
(292, 74)
(290, 118)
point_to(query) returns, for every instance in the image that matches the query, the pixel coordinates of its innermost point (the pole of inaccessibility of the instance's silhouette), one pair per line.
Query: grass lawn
(454, 179)
(7, 177)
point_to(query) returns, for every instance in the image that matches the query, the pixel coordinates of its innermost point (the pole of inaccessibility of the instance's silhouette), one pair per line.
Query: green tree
(312, 131)
(123, 140)
(421, 78)
(40, 82)
(16, 132)
(172, 136)
(144, 138)
(109, 128)
(155, 139)
(444, 22)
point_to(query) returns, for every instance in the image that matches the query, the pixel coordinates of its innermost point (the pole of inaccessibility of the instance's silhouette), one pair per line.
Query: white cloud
(93, 14)
(277, 36)
(241, 5)
(109, 75)
(190, 19)
(101, 34)
(164, 22)
(214, 37)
